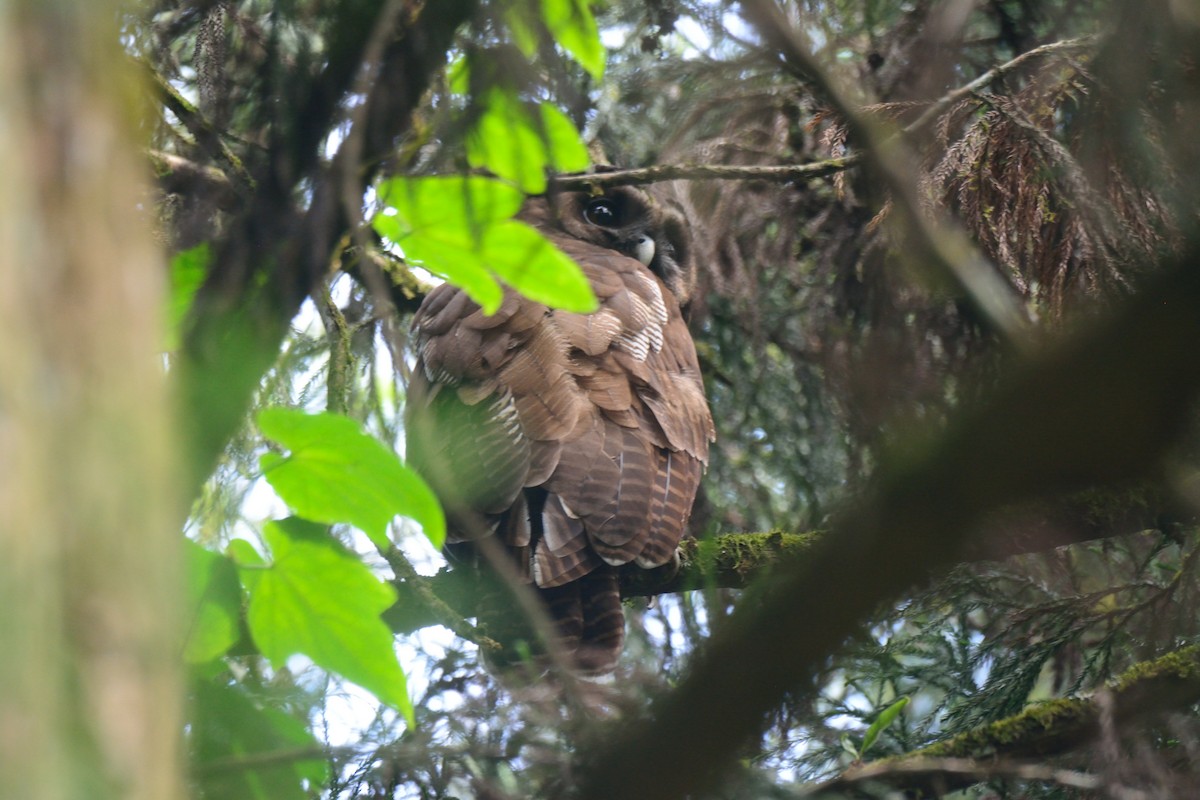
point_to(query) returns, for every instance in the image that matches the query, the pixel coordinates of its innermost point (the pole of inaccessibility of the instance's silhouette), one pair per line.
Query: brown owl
(576, 440)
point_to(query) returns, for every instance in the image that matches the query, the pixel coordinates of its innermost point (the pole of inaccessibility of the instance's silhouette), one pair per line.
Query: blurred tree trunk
(89, 691)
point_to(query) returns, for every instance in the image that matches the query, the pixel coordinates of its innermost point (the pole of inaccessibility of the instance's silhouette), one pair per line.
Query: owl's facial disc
(642, 247)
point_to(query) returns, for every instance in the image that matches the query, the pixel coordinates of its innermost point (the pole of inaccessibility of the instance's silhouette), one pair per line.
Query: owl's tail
(589, 620)
(587, 627)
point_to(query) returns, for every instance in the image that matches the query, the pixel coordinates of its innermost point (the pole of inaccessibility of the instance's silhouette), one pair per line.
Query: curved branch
(725, 562)
(178, 175)
(735, 560)
(1164, 684)
(944, 246)
(934, 777)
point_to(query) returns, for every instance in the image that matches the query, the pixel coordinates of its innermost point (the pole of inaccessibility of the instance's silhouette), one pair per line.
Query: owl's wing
(604, 411)
(489, 405)
(577, 439)
(631, 468)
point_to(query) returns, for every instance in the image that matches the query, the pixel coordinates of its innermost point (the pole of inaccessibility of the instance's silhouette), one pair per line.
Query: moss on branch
(728, 562)
(733, 561)
(1168, 683)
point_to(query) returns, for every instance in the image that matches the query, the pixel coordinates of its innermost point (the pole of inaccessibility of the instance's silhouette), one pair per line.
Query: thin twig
(721, 172)
(337, 393)
(270, 758)
(955, 772)
(814, 169)
(442, 612)
(994, 74)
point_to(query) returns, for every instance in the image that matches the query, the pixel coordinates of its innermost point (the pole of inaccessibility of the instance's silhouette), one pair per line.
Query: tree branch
(178, 175)
(430, 602)
(735, 560)
(1148, 689)
(207, 137)
(939, 243)
(994, 74)
(692, 172)
(934, 777)
(727, 562)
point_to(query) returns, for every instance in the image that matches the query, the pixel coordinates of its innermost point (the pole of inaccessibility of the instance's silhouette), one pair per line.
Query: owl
(576, 442)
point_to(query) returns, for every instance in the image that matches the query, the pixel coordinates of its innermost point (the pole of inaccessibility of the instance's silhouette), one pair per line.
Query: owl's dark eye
(602, 212)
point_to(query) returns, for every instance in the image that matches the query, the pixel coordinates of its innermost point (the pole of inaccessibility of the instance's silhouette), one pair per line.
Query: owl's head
(649, 225)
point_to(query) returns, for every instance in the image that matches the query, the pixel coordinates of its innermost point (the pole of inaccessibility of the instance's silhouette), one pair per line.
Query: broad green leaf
(523, 258)
(448, 253)
(319, 600)
(214, 603)
(227, 726)
(188, 270)
(504, 141)
(455, 201)
(460, 228)
(244, 555)
(439, 223)
(881, 723)
(337, 473)
(572, 25)
(521, 142)
(458, 75)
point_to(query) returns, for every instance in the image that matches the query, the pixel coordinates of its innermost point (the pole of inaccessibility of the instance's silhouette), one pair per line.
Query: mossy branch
(1164, 684)
(735, 560)
(724, 562)
(206, 136)
(178, 175)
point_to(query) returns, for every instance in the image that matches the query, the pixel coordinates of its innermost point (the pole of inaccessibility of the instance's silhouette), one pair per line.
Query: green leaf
(882, 722)
(461, 228)
(572, 25)
(337, 473)
(849, 748)
(439, 223)
(188, 271)
(227, 726)
(317, 599)
(458, 75)
(244, 555)
(454, 201)
(536, 268)
(504, 141)
(520, 142)
(449, 254)
(214, 603)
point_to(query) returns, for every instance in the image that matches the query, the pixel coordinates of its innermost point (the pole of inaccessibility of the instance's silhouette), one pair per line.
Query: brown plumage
(578, 440)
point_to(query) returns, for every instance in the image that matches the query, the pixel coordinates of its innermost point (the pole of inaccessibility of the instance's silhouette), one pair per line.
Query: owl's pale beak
(643, 249)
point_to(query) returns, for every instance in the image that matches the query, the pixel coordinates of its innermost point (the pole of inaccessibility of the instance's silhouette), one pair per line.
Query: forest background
(947, 316)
